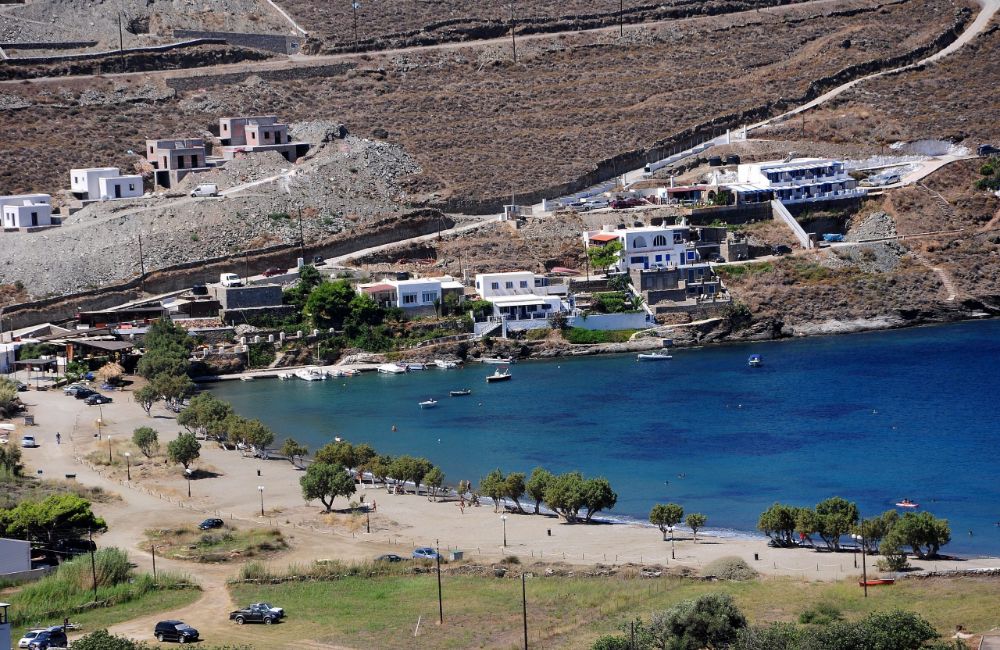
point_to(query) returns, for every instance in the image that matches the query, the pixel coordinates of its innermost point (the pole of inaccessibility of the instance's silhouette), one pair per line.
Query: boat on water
(311, 373)
(428, 403)
(653, 356)
(460, 393)
(416, 366)
(391, 369)
(876, 582)
(445, 365)
(247, 378)
(499, 375)
(755, 361)
(906, 503)
(497, 360)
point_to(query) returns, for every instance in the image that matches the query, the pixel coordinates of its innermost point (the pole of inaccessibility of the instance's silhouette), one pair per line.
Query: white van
(28, 442)
(206, 189)
(230, 280)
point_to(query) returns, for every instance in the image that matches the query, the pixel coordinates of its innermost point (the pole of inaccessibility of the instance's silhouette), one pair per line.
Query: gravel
(877, 225)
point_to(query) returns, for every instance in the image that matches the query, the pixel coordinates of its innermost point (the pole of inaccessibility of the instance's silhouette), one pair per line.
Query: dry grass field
(480, 126)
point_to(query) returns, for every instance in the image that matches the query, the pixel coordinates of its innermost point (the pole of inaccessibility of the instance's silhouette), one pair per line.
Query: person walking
(58, 438)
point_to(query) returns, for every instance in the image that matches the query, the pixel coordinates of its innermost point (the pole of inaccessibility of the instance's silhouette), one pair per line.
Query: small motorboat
(755, 361)
(445, 365)
(391, 369)
(311, 373)
(428, 403)
(460, 393)
(416, 366)
(906, 503)
(653, 356)
(497, 360)
(247, 378)
(499, 375)
(876, 582)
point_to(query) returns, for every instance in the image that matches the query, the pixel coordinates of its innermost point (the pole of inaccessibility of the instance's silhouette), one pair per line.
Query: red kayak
(876, 582)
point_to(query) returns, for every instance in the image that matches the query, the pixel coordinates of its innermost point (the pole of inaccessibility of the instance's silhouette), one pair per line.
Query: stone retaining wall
(278, 43)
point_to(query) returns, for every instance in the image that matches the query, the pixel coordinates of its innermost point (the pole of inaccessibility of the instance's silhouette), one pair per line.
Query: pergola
(42, 365)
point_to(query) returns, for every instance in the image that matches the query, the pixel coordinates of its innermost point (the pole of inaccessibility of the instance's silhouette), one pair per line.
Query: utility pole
(153, 549)
(93, 562)
(524, 610)
(355, 6)
(513, 27)
(864, 562)
(142, 268)
(121, 41)
(437, 552)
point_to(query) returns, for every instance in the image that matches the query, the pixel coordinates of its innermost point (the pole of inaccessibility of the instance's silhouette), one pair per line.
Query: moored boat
(906, 503)
(497, 360)
(247, 378)
(653, 356)
(415, 366)
(499, 375)
(311, 373)
(460, 393)
(876, 582)
(755, 361)
(429, 403)
(445, 365)
(391, 369)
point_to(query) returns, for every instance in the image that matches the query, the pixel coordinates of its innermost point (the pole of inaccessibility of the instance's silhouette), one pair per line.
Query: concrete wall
(271, 42)
(15, 556)
(261, 295)
(629, 321)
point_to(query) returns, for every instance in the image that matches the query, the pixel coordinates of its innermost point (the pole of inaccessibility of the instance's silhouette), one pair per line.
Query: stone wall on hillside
(278, 43)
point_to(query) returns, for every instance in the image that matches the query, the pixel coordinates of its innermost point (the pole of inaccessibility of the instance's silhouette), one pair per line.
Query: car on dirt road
(425, 553)
(175, 631)
(97, 398)
(54, 637)
(273, 271)
(29, 636)
(390, 557)
(209, 524)
(257, 613)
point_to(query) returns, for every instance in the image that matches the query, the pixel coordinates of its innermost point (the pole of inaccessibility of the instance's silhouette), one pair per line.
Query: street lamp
(260, 488)
(128, 465)
(671, 529)
(187, 474)
(503, 518)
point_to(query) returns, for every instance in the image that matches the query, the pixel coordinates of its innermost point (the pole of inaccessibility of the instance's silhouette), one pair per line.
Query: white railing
(782, 213)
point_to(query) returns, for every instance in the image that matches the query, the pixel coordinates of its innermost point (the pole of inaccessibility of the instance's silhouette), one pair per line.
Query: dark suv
(50, 638)
(175, 631)
(209, 524)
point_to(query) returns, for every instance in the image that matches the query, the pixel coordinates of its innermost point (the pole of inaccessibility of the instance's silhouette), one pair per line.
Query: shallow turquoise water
(869, 417)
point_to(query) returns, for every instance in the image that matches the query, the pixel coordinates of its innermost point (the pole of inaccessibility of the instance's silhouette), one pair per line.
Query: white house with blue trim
(648, 247)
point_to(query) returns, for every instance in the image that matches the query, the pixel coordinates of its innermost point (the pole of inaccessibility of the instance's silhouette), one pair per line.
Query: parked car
(781, 249)
(621, 204)
(390, 557)
(54, 637)
(209, 524)
(72, 388)
(97, 398)
(84, 393)
(29, 636)
(175, 631)
(256, 613)
(273, 271)
(280, 611)
(21, 386)
(230, 280)
(425, 553)
(206, 189)
(987, 150)
(29, 442)
(318, 260)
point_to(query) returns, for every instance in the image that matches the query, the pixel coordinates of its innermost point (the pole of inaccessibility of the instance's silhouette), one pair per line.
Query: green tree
(774, 636)
(168, 349)
(146, 397)
(892, 630)
(806, 523)
(922, 532)
(364, 454)
(778, 523)
(147, 440)
(326, 482)
(695, 521)
(665, 516)
(10, 461)
(434, 482)
(603, 257)
(60, 516)
(339, 452)
(252, 432)
(565, 495)
(173, 388)
(364, 313)
(494, 486)
(75, 370)
(329, 304)
(381, 469)
(837, 516)
(101, 640)
(184, 449)
(514, 488)
(874, 529)
(711, 621)
(537, 484)
(597, 496)
(205, 413)
(292, 450)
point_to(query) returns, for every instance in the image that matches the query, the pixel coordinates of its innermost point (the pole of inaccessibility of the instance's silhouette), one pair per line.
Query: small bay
(872, 417)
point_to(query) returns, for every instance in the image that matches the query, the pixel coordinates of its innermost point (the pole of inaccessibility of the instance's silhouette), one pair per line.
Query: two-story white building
(97, 183)
(26, 210)
(801, 180)
(522, 295)
(647, 247)
(418, 295)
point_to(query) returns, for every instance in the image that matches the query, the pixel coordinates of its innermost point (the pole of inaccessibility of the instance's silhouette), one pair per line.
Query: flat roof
(794, 165)
(604, 236)
(514, 301)
(35, 362)
(94, 169)
(110, 346)
(743, 187)
(377, 288)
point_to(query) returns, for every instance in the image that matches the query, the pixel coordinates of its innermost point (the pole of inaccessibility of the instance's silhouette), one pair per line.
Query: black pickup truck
(257, 613)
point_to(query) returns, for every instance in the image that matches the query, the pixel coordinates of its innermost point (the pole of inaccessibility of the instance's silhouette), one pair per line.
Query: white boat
(311, 373)
(416, 366)
(755, 361)
(285, 376)
(499, 375)
(391, 369)
(247, 378)
(445, 365)
(653, 356)
(497, 360)
(428, 404)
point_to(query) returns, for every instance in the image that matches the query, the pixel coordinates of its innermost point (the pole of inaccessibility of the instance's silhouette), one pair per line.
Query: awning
(379, 288)
(108, 346)
(603, 237)
(517, 301)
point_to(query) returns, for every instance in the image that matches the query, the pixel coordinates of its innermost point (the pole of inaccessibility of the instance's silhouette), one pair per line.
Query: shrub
(821, 614)
(730, 568)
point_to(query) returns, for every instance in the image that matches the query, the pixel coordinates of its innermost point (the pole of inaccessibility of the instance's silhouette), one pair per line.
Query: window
(494, 285)
(225, 127)
(428, 297)
(659, 258)
(508, 285)
(524, 284)
(659, 240)
(131, 187)
(668, 257)
(690, 255)
(409, 298)
(678, 238)
(639, 242)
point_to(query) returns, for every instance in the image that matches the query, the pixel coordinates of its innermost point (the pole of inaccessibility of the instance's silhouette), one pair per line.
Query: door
(34, 218)
(118, 191)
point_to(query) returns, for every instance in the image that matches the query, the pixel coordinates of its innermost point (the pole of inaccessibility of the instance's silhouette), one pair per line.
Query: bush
(821, 614)
(580, 336)
(730, 568)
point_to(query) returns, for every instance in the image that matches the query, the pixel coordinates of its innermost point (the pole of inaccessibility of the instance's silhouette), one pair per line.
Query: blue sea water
(872, 417)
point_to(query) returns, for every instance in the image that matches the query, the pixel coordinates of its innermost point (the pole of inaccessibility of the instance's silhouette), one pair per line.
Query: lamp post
(109, 443)
(503, 518)
(260, 488)
(152, 548)
(187, 475)
(671, 529)
(128, 465)
(354, 7)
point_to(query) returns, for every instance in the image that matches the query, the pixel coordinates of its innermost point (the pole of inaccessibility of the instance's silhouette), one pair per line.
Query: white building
(26, 210)
(421, 294)
(648, 247)
(15, 556)
(103, 183)
(801, 180)
(521, 295)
